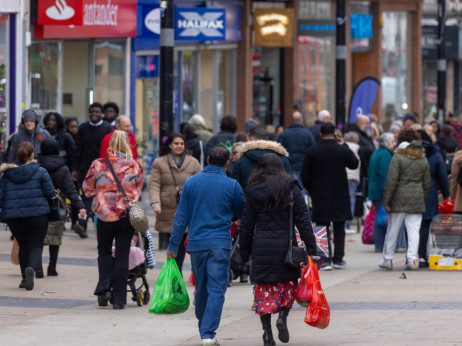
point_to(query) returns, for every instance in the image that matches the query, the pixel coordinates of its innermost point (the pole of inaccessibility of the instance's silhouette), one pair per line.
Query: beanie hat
(249, 124)
(49, 147)
(410, 116)
(29, 114)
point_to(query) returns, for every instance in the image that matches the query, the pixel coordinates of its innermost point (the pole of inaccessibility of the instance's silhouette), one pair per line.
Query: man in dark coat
(323, 117)
(226, 137)
(366, 144)
(324, 177)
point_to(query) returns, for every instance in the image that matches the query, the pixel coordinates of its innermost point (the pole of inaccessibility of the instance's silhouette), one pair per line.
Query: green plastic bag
(170, 295)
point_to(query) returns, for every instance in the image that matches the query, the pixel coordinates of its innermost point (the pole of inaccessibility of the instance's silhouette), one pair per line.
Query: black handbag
(296, 257)
(178, 190)
(58, 209)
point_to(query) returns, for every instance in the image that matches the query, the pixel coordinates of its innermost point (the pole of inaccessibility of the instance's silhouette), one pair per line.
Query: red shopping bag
(445, 207)
(303, 295)
(368, 232)
(318, 312)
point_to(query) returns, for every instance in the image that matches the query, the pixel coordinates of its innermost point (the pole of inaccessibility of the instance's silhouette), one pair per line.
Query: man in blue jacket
(207, 213)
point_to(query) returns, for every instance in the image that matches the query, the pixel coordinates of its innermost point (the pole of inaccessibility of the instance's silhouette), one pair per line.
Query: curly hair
(58, 118)
(408, 135)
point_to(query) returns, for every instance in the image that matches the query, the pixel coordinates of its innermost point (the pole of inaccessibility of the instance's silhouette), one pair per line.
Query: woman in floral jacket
(113, 223)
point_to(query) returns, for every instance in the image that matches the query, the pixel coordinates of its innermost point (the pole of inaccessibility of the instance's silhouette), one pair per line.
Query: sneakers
(326, 266)
(423, 263)
(386, 264)
(82, 232)
(213, 341)
(29, 280)
(340, 265)
(411, 265)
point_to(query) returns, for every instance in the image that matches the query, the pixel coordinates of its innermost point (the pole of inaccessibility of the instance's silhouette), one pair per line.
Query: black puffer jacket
(193, 144)
(264, 234)
(61, 178)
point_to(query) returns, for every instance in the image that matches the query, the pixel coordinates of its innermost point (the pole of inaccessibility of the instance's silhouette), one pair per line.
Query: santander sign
(60, 11)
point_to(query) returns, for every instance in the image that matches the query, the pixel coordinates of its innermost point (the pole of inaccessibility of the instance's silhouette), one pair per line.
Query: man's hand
(171, 254)
(74, 175)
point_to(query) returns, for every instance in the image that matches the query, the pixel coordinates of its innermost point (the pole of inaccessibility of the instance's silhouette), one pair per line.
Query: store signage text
(152, 21)
(360, 26)
(100, 14)
(317, 27)
(200, 24)
(273, 27)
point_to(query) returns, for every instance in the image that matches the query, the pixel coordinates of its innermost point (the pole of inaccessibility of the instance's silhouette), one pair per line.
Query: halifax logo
(200, 24)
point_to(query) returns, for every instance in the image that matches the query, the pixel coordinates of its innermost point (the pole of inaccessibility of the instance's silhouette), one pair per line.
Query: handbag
(178, 190)
(368, 231)
(136, 214)
(15, 252)
(296, 256)
(58, 208)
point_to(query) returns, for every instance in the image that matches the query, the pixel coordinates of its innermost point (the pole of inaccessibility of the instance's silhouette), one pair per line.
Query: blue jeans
(210, 268)
(352, 188)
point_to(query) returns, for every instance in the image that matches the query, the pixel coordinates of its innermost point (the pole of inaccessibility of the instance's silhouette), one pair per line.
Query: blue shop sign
(360, 26)
(200, 24)
(147, 66)
(317, 27)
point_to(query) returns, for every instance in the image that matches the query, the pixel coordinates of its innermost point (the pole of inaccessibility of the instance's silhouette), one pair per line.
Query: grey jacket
(35, 138)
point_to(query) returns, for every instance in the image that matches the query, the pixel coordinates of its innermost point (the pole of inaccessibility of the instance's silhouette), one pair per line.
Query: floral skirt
(270, 297)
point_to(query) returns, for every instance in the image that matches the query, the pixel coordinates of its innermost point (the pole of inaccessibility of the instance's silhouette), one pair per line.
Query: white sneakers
(386, 264)
(350, 231)
(213, 341)
(412, 265)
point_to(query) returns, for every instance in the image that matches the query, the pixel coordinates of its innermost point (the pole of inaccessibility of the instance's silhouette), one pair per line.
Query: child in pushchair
(141, 258)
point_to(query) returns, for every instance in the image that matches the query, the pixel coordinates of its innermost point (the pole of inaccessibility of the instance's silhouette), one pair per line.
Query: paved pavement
(368, 306)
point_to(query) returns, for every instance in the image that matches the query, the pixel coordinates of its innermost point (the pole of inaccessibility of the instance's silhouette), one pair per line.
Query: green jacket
(408, 181)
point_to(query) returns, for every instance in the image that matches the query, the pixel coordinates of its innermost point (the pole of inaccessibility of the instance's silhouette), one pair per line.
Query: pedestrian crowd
(202, 186)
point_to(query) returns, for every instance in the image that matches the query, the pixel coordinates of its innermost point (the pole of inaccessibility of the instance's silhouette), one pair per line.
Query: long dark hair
(270, 171)
(164, 148)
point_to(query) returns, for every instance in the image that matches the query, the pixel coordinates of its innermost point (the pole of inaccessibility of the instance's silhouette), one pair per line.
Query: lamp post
(340, 57)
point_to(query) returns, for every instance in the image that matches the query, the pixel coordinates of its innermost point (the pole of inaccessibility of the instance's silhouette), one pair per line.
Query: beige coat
(456, 189)
(162, 189)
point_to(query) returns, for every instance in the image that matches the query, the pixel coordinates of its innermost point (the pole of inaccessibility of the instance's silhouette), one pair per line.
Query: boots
(267, 332)
(54, 250)
(39, 272)
(164, 239)
(281, 325)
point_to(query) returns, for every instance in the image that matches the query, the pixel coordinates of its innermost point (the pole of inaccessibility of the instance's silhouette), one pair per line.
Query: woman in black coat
(264, 237)
(60, 175)
(54, 123)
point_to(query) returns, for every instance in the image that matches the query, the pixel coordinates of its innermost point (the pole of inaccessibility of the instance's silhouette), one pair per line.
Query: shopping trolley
(446, 232)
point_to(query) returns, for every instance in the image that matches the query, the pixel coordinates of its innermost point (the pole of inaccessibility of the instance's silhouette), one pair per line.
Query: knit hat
(410, 116)
(29, 114)
(249, 124)
(49, 147)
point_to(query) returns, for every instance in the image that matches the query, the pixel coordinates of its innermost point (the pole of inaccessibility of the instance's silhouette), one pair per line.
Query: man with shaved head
(296, 139)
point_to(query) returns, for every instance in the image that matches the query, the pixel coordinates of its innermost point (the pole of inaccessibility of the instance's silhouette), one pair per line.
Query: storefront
(205, 65)
(11, 61)
(73, 65)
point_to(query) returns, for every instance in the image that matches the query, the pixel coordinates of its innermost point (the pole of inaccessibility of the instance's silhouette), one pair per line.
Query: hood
(262, 146)
(414, 150)
(19, 174)
(430, 149)
(51, 162)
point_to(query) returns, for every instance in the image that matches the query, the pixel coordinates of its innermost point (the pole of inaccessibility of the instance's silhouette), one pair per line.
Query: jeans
(352, 188)
(30, 233)
(113, 272)
(379, 231)
(412, 222)
(339, 241)
(210, 268)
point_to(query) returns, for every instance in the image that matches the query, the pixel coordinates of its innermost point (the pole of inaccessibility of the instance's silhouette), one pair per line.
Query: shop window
(225, 83)
(116, 66)
(207, 87)
(188, 75)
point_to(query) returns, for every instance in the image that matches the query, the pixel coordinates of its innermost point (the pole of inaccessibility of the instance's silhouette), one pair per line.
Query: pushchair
(236, 267)
(140, 294)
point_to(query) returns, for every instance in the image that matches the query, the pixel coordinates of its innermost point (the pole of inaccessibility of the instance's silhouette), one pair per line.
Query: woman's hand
(157, 209)
(387, 209)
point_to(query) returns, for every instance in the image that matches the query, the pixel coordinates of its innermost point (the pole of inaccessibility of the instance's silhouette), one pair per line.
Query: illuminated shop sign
(200, 24)
(360, 26)
(317, 27)
(273, 27)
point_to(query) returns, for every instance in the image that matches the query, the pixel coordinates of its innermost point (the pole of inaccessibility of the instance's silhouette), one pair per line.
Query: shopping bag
(445, 207)
(381, 219)
(368, 231)
(15, 252)
(169, 295)
(318, 311)
(303, 295)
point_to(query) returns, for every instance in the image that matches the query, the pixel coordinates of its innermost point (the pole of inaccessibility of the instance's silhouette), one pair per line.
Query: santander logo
(60, 11)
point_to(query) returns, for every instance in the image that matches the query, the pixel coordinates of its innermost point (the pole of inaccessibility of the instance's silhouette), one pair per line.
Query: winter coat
(24, 189)
(408, 181)
(377, 172)
(439, 180)
(250, 153)
(224, 138)
(196, 148)
(35, 138)
(109, 203)
(203, 134)
(296, 139)
(66, 146)
(107, 138)
(316, 130)
(449, 144)
(367, 147)
(60, 175)
(162, 188)
(353, 174)
(455, 188)
(324, 177)
(264, 234)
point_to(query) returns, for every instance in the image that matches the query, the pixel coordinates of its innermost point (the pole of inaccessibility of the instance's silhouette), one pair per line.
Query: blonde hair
(119, 142)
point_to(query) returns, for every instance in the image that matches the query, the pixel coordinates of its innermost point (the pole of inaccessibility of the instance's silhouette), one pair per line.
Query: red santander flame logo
(60, 12)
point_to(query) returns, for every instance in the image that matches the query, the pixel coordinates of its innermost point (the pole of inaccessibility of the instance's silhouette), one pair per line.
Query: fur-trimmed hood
(18, 173)
(263, 145)
(414, 150)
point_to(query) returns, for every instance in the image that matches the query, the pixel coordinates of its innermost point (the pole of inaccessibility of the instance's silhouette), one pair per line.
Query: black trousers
(423, 241)
(30, 233)
(339, 240)
(113, 272)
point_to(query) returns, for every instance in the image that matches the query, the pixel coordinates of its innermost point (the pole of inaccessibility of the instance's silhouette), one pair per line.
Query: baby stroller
(140, 294)
(237, 267)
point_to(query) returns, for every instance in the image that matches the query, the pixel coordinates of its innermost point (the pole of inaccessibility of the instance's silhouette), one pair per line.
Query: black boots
(54, 250)
(267, 332)
(281, 325)
(164, 239)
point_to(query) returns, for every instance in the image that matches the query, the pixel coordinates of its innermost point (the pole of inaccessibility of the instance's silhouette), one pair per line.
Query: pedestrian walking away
(207, 213)
(264, 238)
